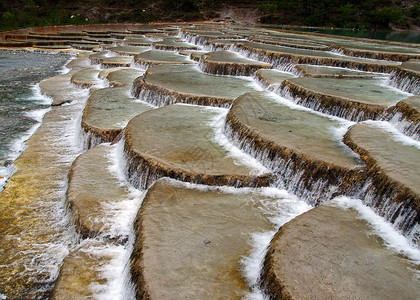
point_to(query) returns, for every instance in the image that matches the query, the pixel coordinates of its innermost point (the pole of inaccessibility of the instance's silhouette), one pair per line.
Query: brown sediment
(282, 59)
(330, 253)
(304, 174)
(334, 105)
(161, 96)
(392, 192)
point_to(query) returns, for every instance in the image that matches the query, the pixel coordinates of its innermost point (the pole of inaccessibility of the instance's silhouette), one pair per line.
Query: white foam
(121, 215)
(218, 123)
(278, 212)
(113, 267)
(395, 133)
(385, 82)
(293, 105)
(393, 239)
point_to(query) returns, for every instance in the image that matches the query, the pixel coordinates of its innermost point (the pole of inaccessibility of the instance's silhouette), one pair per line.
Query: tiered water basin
(223, 162)
(169, 84)
(182, 147)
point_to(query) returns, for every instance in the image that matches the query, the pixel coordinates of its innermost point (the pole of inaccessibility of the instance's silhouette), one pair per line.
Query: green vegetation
(358, 14)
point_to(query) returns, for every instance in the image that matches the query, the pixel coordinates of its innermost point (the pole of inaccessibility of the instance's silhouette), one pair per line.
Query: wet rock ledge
(190, 240)
(392, 172)
(91, 189)
(229, 63)
(157, 57)
(296, 144)
(169, 84)
(352, 99)
(108, 110)
(178, 142)
(330, 253)
(407, 77)
(283, 58)
(407, 115)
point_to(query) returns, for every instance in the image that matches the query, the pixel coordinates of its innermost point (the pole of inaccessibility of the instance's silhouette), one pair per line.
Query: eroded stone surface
(177, 141)
(330, 253)
(190, 241)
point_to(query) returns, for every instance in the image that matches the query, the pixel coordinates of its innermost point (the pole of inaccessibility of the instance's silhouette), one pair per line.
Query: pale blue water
(20, 102)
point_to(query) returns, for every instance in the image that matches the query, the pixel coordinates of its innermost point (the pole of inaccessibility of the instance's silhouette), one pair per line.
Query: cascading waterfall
(314, 185)
(405, 81)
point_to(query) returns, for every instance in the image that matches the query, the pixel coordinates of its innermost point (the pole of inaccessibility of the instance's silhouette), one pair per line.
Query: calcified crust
(330, 253)
(332, 105)
(389, 196)
(281, 59)
(161, 96)
(323, 179)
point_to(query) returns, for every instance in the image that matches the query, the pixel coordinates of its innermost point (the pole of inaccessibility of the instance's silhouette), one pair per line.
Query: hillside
(373, 14)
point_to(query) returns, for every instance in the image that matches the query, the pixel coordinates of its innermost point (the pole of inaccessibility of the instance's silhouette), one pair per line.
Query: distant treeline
(358, 14)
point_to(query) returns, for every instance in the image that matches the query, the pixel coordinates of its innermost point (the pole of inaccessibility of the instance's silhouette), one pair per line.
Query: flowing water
(21, 104)
(44, 230)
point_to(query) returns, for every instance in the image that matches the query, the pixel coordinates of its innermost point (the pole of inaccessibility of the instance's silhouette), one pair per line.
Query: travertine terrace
(174, 155)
